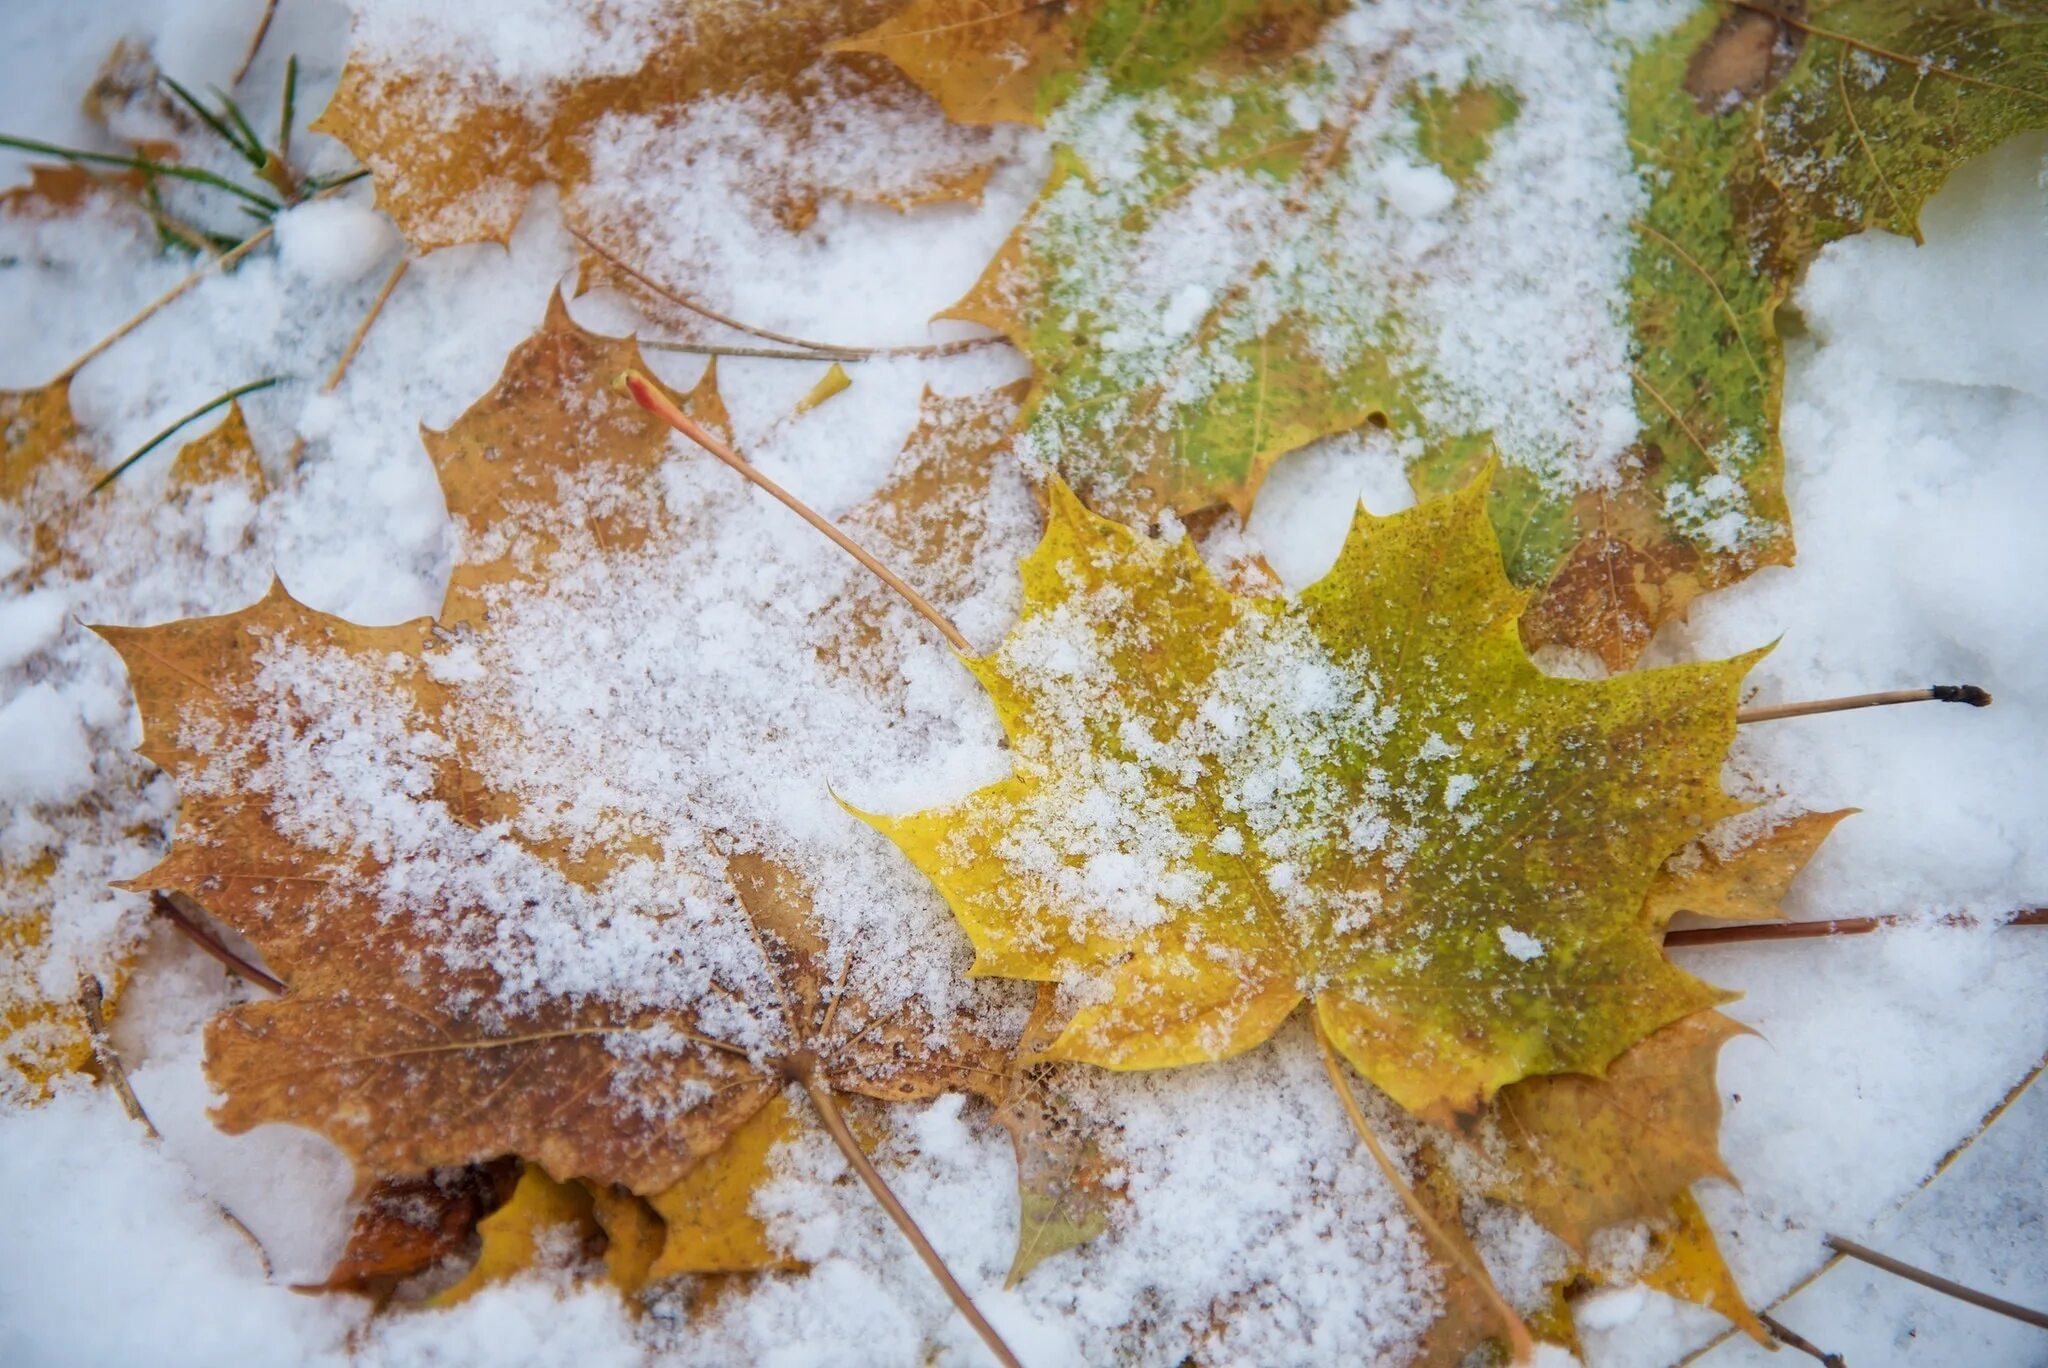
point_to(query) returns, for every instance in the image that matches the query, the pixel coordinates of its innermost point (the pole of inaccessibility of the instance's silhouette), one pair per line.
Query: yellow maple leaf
(1367, 797)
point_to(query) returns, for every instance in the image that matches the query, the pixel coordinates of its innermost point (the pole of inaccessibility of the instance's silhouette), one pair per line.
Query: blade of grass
(153, 443)
(291, 99)
(241, 120)
(194, 174)
(250, 152)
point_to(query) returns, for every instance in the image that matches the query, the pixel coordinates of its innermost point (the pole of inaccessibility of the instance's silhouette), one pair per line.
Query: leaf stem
(1937, 693)
(1520, 1346)
(842, 1135)
(92, 1004)
(655, 402)
(172, 908)
(1811, 930)
(153, 443)
(1786, 1335)
(826, 351)
(1936, 1282)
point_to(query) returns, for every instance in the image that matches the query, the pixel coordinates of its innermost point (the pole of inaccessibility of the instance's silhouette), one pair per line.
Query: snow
(1916, 425)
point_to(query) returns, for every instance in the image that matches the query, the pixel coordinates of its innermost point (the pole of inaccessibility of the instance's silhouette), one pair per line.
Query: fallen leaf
(829, 384)
(708, 1227)
(1062, 1197)
(419, 1029)
(456, 142)
(1581, 1153)
(542, 1221)
(1740, 871)
(406, 1226)
(1209, 279)
(1366, 796)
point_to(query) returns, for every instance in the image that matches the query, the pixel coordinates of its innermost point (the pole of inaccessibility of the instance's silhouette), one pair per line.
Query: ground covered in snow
(1916, 429)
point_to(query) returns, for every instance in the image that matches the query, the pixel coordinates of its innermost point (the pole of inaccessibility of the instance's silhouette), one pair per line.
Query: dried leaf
(542, 1221)
(1062, 1198)
(829, 384)
(1367, 796)
(407, 1225)
(1740, 872)
(1581, 1153)
(397, 1040)
(708, 1226)
(456, 144)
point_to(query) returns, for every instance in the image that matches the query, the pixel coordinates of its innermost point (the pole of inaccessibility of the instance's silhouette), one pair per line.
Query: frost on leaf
(495, 944)
(81, 799)
(1491, 226)
(1366, 797)
(461, 112)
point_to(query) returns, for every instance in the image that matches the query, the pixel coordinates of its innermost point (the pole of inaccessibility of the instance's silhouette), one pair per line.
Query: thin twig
(825, 351)
(1840, 926)
(172, 907)
(842, 1135)
(355, 341)
(92, 1002)
(1939, 693)
(1936, 1282)
(764, 353)
(170, 296)
(218, 401)
(255, 42)
(1520, 1345)
(659, 404)
(177, 291)
(1786, 1335)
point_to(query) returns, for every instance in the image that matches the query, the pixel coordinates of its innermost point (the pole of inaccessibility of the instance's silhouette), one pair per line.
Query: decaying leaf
(406, 1226)
(1367, 797)
(457, 139)
(1063, 1199)
(1581, 1153)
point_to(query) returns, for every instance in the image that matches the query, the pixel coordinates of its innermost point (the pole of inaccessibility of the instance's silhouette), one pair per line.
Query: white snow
(1916, 425)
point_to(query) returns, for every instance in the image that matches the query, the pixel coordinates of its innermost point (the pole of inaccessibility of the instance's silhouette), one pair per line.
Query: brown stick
(355, 340)
(822, 351)
(1841, 926)
(1784, 1334)
(1938, 1283)
(1938, 693)
(1521, 1346)
(842, 1135)
(164, 300)
(655, 402)
(255, 42)
(181, 911)
(92, 1002)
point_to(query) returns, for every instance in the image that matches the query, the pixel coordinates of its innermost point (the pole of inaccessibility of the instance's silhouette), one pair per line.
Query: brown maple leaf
(456, 144)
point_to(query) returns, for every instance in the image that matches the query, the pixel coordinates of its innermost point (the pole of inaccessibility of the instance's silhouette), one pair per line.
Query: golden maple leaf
(1367, 797)
(407, 1052)
(456, 145)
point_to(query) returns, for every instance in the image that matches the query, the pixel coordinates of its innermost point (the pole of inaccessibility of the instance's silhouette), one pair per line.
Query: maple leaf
(1741, 870)
(418, 1030)
(456, 143)
(48, 468)
(1367, 797)
(1764, 132)
(1581, 1153)
(405, 1226)
(1210, 279)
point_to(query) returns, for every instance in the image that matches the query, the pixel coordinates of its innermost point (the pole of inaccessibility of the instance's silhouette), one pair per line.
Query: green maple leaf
(1209, 281)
